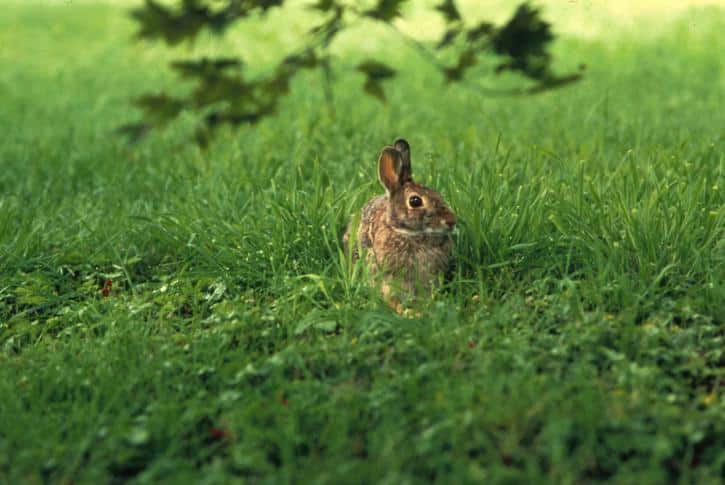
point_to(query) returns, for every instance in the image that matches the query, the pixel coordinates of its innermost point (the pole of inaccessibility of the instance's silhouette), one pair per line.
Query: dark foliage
(224, 95)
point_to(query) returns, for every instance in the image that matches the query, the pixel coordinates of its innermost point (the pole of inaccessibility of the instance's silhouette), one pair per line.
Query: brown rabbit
(404, 235)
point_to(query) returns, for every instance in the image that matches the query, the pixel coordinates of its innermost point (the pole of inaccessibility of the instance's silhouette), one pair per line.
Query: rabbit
(404, 235)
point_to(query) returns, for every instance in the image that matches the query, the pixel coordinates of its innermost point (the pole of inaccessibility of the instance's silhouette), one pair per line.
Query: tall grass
(580, 338)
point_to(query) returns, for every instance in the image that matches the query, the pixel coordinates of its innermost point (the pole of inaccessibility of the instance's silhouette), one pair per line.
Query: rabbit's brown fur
(404, 235)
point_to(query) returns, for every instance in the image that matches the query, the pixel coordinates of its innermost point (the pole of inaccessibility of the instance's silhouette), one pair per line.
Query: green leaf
(324, 5)
(134, 131)
(449, 11)
(466, 59)
(448, 37)
(265, 5)
(483, 29)
(376, 70)
(205, 67)
(386, 10)
(307, 59)
(160, 107)
(159, 22)
(524, 40)
(184, 23)
(330, 28)
(374, 88)
(236, 99)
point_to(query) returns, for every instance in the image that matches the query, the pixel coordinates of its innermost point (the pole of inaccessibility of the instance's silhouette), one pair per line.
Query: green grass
(580, 339)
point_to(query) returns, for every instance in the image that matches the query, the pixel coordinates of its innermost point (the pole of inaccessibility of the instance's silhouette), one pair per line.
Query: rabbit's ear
(406, 172)
(389, 167)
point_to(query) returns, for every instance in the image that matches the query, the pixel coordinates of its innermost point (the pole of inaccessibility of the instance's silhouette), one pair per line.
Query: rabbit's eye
(415, 201)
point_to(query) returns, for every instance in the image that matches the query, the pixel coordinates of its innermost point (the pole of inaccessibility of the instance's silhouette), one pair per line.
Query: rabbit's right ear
(406, 172)
(389, 169)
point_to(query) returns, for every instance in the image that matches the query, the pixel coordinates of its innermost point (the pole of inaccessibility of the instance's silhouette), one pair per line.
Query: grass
(580, 339)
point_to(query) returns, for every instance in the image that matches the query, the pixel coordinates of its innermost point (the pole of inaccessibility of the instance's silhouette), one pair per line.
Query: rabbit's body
(405, 234)
(416, 255)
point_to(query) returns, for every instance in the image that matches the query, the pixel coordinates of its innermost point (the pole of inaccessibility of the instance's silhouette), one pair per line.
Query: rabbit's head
(413, 209)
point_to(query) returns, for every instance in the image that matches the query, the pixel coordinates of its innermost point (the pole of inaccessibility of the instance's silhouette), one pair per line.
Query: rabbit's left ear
(389, 169)
(406, 170)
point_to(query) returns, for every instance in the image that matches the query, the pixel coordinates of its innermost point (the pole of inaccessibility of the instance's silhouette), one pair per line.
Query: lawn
(173, 315)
